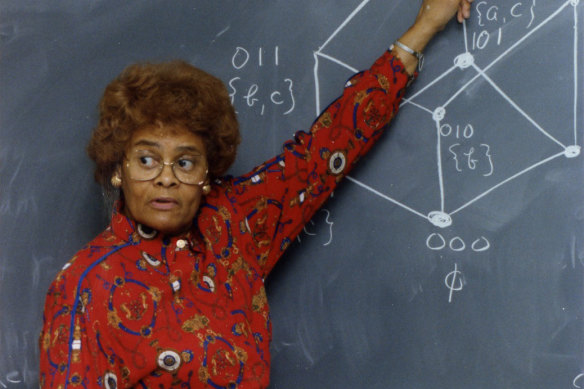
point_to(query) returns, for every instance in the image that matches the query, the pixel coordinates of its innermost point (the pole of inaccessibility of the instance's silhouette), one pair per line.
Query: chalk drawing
(477, 158)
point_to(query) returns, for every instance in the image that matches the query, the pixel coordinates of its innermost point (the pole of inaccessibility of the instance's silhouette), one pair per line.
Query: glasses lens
(190, 169)
(144, 165)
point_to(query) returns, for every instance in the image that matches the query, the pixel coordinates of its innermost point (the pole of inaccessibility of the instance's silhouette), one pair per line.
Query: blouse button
(169, 360)
(175, 285)
(150, 259)
(110, 380)
(337, 162)
(181, 243)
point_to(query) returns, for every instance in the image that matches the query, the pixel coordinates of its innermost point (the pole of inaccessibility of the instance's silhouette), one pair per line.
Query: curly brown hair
(172, 93)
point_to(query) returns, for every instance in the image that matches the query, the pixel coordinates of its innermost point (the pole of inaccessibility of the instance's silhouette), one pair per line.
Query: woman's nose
(167, 176)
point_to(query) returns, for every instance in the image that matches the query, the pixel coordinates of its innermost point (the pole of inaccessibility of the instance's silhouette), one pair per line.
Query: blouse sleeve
(279, 197)
(68, 356)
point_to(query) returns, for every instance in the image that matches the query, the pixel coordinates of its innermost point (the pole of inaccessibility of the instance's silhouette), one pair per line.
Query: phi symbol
(454, 282)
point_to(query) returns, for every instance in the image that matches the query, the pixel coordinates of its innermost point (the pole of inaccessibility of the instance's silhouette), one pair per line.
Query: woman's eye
(185, 164)
(147, 161)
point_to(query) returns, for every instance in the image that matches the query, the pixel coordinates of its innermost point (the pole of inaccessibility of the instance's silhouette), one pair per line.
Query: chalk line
(505, 181)
(378, 193)
(514, 105)
(345, 22)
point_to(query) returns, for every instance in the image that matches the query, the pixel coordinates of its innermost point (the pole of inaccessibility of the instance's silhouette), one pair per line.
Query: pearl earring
(116, 181)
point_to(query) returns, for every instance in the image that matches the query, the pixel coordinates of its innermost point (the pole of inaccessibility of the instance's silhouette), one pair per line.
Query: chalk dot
(440, 219)
(574, 2)
(464, 60)
(439, 114)
(572, 151)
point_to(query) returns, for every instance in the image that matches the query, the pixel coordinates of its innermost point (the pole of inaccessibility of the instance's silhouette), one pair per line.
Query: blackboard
(453, 257)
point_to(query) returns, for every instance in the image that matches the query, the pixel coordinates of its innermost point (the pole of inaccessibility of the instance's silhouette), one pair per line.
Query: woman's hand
(432, 18)
(435, 14)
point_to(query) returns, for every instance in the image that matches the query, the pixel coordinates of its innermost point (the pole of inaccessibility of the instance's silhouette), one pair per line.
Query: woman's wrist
(415, 38)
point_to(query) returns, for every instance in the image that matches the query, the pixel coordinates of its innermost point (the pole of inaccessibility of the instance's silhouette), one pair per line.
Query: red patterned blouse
(136, 309)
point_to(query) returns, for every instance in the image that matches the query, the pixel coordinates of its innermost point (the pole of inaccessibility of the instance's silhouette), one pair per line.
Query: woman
(171, 294)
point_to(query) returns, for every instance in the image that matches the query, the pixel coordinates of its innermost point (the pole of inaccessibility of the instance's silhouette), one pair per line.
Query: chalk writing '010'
(468, 157)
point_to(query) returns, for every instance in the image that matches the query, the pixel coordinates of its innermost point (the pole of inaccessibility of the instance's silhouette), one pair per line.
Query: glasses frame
(163, 164)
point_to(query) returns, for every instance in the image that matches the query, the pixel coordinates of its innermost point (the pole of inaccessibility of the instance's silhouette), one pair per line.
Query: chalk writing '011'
(255, 95)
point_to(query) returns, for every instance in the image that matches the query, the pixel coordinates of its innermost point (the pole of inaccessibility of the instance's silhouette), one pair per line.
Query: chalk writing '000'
(436, 241)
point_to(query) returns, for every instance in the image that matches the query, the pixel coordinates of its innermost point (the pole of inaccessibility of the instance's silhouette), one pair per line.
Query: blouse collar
(130, 231)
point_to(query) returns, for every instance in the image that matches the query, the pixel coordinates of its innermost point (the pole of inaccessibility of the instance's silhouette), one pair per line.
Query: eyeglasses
(145, 165)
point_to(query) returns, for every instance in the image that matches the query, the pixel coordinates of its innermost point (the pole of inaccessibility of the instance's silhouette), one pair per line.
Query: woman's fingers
(464, 10)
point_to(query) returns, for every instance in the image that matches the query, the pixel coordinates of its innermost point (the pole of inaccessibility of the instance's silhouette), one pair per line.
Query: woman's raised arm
(275, 200)
(432, 17)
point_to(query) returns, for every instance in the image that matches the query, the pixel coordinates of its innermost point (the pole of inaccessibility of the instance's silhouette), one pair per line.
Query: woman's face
(164, 202)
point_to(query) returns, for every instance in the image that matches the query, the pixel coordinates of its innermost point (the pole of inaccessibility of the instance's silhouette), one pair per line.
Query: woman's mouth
(163, 203)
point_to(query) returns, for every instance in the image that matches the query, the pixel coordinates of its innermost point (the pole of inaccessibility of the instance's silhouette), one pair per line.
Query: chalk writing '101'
(488, 14)
(256, 96)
